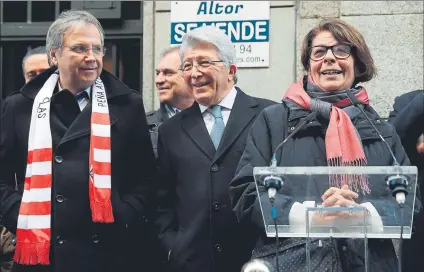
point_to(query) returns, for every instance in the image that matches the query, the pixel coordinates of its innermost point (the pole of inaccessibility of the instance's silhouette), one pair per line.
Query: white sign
(245, 22)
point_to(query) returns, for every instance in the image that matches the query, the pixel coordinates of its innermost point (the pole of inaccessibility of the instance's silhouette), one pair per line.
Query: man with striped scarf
(77, 140)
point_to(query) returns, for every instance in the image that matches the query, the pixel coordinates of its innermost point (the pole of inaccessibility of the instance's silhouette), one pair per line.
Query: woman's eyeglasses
(340, 51)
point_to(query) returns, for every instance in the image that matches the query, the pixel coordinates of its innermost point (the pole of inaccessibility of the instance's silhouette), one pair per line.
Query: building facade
(393, 31)
(138, 31)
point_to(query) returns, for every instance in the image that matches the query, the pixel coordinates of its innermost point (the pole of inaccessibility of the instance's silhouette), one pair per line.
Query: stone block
(380, 7)
(272, 82)
(302, 28)
(396, 44)
(319, 9)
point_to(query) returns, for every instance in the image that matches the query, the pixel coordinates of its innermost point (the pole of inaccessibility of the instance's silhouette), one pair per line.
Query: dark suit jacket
(1, 113)
(407, 117)
(195, 219)
(154, 120)
(78, 244)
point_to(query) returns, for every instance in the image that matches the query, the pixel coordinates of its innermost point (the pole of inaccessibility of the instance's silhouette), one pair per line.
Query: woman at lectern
(324, 129)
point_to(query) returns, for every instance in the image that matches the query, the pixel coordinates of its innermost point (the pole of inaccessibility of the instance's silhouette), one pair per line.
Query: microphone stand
(397, 183)
(273, 183)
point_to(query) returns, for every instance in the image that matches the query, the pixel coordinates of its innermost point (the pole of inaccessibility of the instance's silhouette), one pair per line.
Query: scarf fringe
(32, 253)
(101, 212)
(356, 182)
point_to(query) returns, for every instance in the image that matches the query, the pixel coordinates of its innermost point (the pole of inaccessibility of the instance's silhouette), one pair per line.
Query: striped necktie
(82, 99)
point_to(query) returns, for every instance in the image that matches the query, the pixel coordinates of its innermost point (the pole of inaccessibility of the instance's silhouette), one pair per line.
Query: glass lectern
(297, 209)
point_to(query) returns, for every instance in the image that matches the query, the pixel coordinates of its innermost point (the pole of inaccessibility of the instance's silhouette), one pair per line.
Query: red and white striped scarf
(33, 230)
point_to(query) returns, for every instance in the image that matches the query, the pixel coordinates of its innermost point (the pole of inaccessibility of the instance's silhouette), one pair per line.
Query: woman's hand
(335, 197)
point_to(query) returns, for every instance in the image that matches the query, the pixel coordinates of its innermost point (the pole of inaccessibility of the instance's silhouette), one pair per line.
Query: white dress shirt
(226, 106)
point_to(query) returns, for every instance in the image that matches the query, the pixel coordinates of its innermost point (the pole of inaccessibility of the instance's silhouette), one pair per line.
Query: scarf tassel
(355, 182)
(102, 212)
(32, 253)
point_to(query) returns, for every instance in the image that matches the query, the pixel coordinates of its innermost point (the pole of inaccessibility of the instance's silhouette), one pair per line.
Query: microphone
(357, 103)
(396, 183)
(307, 119)
(273, 183)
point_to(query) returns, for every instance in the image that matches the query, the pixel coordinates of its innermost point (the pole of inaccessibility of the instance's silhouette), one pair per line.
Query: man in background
(173, 92)
(34, 62)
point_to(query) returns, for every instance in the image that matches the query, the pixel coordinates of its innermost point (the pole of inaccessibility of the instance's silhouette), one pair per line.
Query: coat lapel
(164, 115)
(241, 115)
(193, 124)
(82, 125)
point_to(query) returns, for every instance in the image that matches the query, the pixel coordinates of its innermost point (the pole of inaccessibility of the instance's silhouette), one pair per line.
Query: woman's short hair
(346, 34)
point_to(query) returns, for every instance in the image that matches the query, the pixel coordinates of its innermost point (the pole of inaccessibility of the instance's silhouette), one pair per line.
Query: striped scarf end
(101, 212)
(356, 182)
(32, 253)
(340, 162)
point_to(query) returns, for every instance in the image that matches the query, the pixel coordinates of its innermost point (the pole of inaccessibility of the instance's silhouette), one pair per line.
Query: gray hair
(40, 50)
(210, 34)
(66, 20)
(170, 50)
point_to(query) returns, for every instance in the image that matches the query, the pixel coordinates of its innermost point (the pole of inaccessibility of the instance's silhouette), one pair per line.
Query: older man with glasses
(199, 150)
(76, 142)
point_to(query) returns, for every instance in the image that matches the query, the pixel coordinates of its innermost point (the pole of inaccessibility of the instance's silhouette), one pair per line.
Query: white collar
(227, 102)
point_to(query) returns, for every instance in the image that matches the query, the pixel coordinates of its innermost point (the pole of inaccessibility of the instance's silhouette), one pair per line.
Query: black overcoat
(195, 219)
(78, 244)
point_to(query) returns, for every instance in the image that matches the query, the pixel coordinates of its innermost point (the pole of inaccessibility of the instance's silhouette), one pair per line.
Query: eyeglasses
(340, 51)
(84, 49)
(201, 65)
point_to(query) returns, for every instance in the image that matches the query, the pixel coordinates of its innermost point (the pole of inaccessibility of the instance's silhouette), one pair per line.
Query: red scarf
(342, 145)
